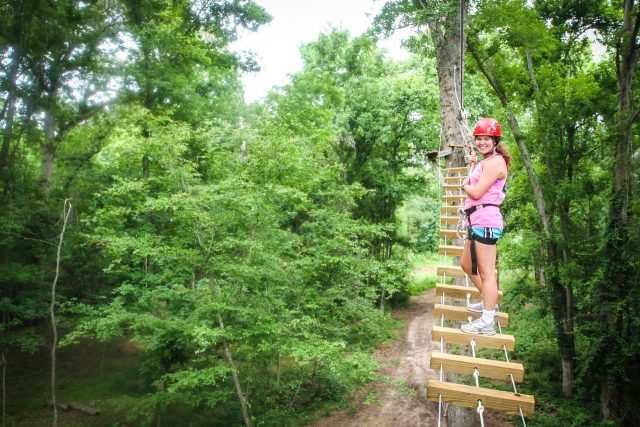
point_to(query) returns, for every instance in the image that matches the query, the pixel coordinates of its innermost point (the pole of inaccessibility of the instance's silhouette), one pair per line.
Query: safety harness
(472, 237)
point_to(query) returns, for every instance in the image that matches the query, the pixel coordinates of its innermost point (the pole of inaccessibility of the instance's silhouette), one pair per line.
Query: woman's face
(484, 144)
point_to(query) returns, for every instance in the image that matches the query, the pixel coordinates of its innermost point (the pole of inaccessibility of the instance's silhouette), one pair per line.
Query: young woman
(486, 190)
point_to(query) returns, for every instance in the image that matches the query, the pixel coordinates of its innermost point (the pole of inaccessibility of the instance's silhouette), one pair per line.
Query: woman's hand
(471, 158)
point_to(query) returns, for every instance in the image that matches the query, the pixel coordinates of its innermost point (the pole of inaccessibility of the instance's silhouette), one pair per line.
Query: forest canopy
(252, 255)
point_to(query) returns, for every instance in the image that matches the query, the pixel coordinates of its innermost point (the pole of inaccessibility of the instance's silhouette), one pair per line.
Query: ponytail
(500, 148)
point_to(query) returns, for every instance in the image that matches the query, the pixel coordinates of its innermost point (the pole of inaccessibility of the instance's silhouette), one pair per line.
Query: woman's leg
(465, 263)
(486, 257)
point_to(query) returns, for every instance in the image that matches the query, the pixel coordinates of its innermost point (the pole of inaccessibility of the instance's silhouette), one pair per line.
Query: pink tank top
(489, 216)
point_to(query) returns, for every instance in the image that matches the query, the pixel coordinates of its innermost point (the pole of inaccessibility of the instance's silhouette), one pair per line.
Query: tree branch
(634, 116)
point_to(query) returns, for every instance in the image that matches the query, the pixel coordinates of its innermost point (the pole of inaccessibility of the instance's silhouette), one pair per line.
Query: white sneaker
(475, 306)
(478, 307)
(479, 327)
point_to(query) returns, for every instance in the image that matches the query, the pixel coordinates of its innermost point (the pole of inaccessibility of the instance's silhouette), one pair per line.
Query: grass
(423, 276)
(90, 373)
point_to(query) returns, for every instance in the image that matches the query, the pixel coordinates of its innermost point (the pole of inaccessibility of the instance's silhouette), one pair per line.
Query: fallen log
(84, 408)
(60, 406)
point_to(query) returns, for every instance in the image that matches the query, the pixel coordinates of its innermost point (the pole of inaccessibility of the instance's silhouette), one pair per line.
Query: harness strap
(474, 259)
(472, 209)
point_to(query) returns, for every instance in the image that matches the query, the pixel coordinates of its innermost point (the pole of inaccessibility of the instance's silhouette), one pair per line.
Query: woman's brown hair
(500, 148)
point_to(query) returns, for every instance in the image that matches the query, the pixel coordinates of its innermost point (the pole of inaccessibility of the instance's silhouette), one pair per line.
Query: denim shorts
(486, 235)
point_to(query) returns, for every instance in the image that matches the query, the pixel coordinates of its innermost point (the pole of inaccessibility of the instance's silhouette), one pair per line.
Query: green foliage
(294, 222)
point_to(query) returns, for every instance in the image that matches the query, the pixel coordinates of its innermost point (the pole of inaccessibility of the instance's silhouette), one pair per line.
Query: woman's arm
(494, 169)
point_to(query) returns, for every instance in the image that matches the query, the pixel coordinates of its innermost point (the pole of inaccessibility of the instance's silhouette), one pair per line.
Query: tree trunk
(48, 152)
(10, 105)
(4, 362)
(453, 127)
(567, 311)
(446, 36)
(619, 295)
(234, 371)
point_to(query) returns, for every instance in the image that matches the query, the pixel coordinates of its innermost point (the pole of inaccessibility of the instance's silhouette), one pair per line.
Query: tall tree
(443, 24)
(617, 308)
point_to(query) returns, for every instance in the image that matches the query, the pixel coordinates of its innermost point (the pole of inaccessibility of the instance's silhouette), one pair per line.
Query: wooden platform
(487, 368)
(456, 312)
(456, 336)
(464, 395)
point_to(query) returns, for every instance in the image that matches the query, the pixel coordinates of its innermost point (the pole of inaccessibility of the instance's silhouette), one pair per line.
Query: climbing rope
(476, 375)
(480, 411)
(461, 226)
(513, 382)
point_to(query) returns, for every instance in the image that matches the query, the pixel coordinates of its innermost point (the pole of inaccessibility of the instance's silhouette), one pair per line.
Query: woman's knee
(488, 275)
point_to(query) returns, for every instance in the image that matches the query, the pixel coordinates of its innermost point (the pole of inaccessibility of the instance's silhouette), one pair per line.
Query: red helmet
(489, 127)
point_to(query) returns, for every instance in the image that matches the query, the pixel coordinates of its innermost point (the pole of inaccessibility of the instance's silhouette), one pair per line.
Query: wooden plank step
(456, 312)
(452, 187)
(487, 368)
(457, 170)
(449, 234)
(450, 271)
(450, 220)
(459, 198)
(456, 336)
(450, 250)
(456, 291)
(468, 396)
(449, 209)
(454, 180)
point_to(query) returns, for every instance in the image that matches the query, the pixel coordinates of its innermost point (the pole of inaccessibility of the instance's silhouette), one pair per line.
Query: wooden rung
(452, 187)
(456, 291)
(459, 198)
(456, 336)
(450, 171)
(456, 312)
(450, 250)
(456, 180)
(450, 220)
(449, 234)
(487, 368)
(449, 209)
(450, 271)
(468, 396)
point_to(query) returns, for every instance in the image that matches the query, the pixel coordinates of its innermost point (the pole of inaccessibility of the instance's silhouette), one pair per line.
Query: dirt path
(406, 363)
